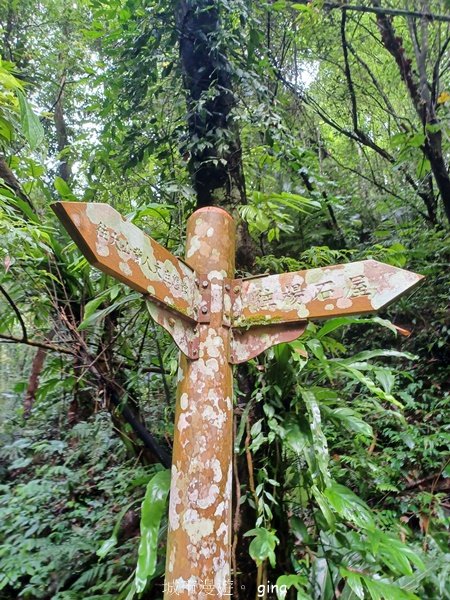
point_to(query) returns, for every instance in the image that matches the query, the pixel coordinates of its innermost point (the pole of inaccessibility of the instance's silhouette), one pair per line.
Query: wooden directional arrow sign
(216, 321)
(348, 289)
(119, 248)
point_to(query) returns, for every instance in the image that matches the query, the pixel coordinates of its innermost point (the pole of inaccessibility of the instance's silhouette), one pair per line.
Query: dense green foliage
(342, 437)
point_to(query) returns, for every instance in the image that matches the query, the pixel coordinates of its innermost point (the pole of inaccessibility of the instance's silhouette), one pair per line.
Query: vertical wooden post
(199, 545)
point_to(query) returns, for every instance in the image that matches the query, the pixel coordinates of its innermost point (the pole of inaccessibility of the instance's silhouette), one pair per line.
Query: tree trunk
(423, 102)
(214, 148)
(62, 137)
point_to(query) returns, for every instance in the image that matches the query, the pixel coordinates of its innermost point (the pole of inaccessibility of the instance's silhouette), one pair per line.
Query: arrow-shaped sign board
(119, 248)
(216, 321)
(348, 289)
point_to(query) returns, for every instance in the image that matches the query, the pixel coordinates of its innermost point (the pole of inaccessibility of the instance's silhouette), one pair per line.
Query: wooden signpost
(216, 321)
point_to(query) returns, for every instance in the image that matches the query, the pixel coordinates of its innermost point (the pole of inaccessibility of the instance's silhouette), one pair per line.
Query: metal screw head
(237, 289)
(204, 310)
(171, 322)
(227, 287)
(194, 352)
(196, 281)
(205, 283)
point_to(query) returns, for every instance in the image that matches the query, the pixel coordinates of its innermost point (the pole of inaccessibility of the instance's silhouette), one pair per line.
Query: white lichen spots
(214, 464)
(302, 311)
(208, 549)
(201, 445)
(180, 374)
(392, 285)
(219, 510)
(297, 283)
(216, 297)
(169, 273)
(215, 418)
(102, 249)
(213, 345)
(223, 530)
(184, 401)
(314, 276)
(228, 403)
(194, 246)
(227, 303)
(183, 422)
(227, 494)
(344, 302)
(125, 268)
(219, 275)
(151, 290)
(222, 575)
(210, 232)
(240, 350)
(175, 498)
(201, 370)
(329, 306)
(171, 562)
(196, 527)
(209, 499)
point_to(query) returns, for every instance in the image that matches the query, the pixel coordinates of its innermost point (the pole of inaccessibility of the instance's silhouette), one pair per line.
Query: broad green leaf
(263, 545)
(300, 530)
(379, 590)
(92, 306)
(338, 322)
(318, 438)
(349, 506)
(151, 513)
(369, 354)
(354, 581)
(350, 419)
(295, 438)
(63, 189)
(101, 314)
(31, 125)
(285, 582)
(107, 546)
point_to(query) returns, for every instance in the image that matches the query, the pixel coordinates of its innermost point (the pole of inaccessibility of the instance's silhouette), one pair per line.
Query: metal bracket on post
(227, 302)
(204, 288)
(248, 343)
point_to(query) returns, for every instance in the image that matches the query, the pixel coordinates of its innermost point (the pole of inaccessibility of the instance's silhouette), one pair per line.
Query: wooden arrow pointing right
(348, 289)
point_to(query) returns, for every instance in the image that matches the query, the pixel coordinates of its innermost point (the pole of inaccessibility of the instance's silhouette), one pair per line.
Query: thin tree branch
(395, 12)
(17, 312)
(15, 340)
(348, 74)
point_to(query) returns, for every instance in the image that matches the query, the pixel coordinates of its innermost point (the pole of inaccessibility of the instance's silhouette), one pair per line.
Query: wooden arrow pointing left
(119, 248)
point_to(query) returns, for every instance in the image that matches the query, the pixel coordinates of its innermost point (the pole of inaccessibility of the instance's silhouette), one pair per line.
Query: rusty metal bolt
(171, 322)
(196, 281)
(204, 310)
(237, 289)
(205, 284)
(227, 287)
